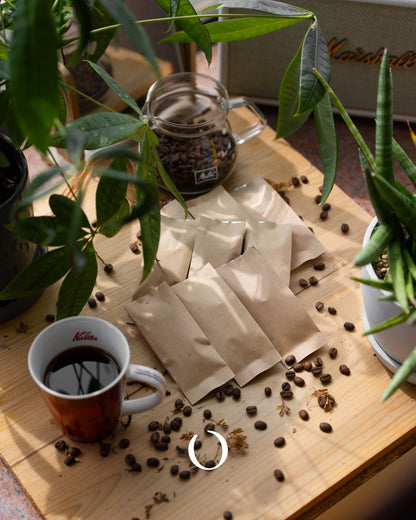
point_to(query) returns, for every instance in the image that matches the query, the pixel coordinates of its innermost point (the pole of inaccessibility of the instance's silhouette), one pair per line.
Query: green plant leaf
(116, 88)
(64, 208)
(136, 34)
(266, 6)
(99, 39)
(110, 194)
(77, 286)
(4, 69)
(328, 143)
(192, 26)
(315, 56)
(396, 270)
(83, 14)
(102, 129)
(400, 377)
(378, 284)
(377, 243)
(43, 230)
(288, 120)
(112, 226)
(38, 275)
(34, 70)
(388, 324)
(237, 29)
(405, 162)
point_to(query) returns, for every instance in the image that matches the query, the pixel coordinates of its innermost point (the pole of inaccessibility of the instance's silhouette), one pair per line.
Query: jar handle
(253, 128)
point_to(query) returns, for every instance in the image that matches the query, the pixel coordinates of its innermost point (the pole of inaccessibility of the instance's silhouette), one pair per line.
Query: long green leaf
(267, 6)
(315, 55)
(408, 366)
(377, 243)
(110, 194)
(38, 275)
(405, 162)
(378, 284)
(237, 29)
(388, 324)
(77, 286)
(328, 143)
(43, 230)
(396, 270)
(83, 14)
(64, 208)
(192, 26)
(288, 121)
(100, 40)
(34, 69)
(102, 129)
(113, 225)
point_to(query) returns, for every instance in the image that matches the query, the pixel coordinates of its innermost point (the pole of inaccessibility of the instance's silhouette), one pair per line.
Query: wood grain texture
(319, 468)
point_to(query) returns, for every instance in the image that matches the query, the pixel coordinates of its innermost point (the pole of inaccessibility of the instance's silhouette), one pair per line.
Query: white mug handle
(150, 377)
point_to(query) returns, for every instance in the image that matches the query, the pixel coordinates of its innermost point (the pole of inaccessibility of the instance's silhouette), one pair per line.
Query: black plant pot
(15, 253)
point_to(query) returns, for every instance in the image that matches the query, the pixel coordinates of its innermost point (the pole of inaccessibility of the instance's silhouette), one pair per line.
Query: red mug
(93, 414)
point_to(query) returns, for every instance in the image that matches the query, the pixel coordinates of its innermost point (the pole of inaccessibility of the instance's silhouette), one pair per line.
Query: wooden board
(319, 468)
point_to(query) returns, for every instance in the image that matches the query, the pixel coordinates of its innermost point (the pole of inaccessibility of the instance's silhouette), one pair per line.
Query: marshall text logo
(84, 336)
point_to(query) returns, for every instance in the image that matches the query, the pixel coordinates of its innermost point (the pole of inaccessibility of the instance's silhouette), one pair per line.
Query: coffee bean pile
(92, 301)
(197, 164)
(72, 452)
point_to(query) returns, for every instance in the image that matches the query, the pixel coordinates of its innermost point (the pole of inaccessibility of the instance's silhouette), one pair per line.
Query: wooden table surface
(319, 468)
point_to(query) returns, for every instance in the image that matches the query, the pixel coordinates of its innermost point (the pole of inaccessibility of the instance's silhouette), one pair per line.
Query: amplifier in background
(356, 33)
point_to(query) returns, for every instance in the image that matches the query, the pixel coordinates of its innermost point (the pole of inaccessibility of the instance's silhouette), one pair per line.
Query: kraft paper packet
(227, 324)
(179, 342)
(216, 242)
(262, 202)
(272, 304)
(273, 242)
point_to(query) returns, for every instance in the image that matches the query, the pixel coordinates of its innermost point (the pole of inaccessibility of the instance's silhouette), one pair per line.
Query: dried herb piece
(236, 441)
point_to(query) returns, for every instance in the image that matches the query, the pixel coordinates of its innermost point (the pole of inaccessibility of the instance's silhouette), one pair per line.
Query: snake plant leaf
(101, 129)
(377, 243)
(193, 27)
(288, 120)
(406, 369)
(39, 274)
(397, 273)
(378, 284)
(403, 207)
(384, 122)
(110, 194)
(115, 87)
(315, 56)
(237, 29)
(64, 209)
(43, 230)
(405, 162)
(134, 31)
(34, 70)
(328, 143)
(83, 14)
(77, 286)
(392, 322)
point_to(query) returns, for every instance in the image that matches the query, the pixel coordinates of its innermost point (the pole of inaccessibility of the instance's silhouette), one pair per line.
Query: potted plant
(31, 96)
(389, 296)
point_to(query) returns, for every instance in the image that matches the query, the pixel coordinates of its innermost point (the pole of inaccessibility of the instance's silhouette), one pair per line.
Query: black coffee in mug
(81, 370)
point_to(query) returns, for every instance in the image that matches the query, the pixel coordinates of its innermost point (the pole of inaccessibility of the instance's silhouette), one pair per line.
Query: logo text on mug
(84, 336)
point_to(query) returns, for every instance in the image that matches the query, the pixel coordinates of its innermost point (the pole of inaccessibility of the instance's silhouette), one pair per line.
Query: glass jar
(188, 112)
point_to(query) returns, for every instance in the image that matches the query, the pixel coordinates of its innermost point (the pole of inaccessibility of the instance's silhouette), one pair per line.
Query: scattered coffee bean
(298, 367)
(290, 359)
(105, 449)
(313, 280)
(153, 462)
(227, 515)
(260, 425)
(285, 385)
(303, 414)
(316, 371)
(108, 268)
(325, 379)
(220, 395)
(130, 459)
(70, 460)
(326, 206)
(185, 474)
(303, 282)
(209, 426)
(100, 296)
(251, 410)
(176, 424)
(332, 352)
(136, 467)
(323, 215)
(210, 464)
(299, 381)
(349, 326)
(267, 391)
(279, 442)
(61, 445)
(92, 303)
(49, 318)
(153, 426)
(123, 444)
(155, 437)
(167, 428)
(179, 404)
(228, 389)
(307, 365)
(74, 451)
(187, 411)
(295, 181)
(318, 361)
(197, 445)
(161, 446)
(332, 310)
(94, 223)
(278, 474)
(319, 306)
(319, 266)
(207, 414)
(318, 198)
(326, 401)
(174, 470)
(345, 228)
(321, 188)
(236, 393)
(325, 427)
(344, 370)
(304, 179)
(290, 374)
(286, 394)
(134, 248)
(165, 438)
